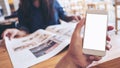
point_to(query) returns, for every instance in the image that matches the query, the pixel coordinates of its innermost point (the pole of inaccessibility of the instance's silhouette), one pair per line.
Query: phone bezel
(91, 51)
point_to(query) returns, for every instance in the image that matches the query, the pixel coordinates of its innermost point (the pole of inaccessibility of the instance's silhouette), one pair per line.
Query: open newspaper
(39, 46)
(44, 44)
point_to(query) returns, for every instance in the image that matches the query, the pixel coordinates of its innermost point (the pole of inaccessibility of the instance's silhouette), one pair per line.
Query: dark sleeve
(22, 25)
(62, 14)
(14, 15)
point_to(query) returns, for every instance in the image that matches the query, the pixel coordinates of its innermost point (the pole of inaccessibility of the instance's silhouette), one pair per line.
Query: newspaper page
(63, 29)
(37, 47)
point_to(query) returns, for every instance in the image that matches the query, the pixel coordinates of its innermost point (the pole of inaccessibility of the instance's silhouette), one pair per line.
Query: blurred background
(72, 7)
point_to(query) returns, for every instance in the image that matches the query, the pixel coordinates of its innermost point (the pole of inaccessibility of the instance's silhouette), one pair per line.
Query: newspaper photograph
(35, 48)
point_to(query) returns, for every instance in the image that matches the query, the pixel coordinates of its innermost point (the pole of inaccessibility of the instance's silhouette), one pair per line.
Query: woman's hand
(77, 18)
(75, 57)
(13, 33)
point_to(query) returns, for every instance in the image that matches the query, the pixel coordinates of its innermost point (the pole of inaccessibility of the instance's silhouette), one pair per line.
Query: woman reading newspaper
(38, 14)
(74, 57)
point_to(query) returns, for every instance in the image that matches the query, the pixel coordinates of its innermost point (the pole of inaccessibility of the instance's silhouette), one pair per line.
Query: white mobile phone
(95, 32)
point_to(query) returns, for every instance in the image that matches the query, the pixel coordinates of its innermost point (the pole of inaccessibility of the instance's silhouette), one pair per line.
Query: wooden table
(6, 63)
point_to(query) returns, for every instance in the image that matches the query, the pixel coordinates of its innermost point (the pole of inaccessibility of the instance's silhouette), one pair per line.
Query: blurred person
(38, 14)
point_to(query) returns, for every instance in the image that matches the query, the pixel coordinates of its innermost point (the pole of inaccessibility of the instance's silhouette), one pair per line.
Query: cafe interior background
(74, 7)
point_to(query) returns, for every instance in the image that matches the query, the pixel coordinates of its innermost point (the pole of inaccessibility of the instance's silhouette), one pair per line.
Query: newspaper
(63, 29)
(38, 46)
(44, 44)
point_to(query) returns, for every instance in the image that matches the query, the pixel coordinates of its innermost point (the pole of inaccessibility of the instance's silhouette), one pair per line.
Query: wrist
(67, 62)
(79, 60)
(70, 59)
(22, 33)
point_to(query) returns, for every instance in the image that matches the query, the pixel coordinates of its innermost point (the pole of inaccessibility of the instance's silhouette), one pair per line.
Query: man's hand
(75, 57)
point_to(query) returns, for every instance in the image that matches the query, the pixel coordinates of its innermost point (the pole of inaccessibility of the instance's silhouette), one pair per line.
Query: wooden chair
(91, 6)
(102, 3)
(117, 2)
(97, 5)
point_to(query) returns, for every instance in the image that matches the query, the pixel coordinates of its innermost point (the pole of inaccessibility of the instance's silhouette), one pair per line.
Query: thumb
(5, 34)
(79, 26)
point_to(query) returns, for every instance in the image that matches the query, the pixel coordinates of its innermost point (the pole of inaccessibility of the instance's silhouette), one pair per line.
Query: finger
(91, 57)
(110, 28)
(79, 17)
(108, 38)
(13, 35)
(97, 58)
(76, 18)
(79, 26)
(5, 33)
(109, 46)
(94, 58)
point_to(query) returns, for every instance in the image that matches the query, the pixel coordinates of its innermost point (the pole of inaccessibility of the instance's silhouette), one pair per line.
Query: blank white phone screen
(95, 32)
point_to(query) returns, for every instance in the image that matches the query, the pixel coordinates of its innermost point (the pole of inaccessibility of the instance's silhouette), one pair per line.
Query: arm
(66, 62)
(62, 13)
(14, 15)
(75, 57)
(22, 25)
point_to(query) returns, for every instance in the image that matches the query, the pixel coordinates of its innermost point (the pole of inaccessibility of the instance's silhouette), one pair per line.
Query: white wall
(16, 4)
(7, 7)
